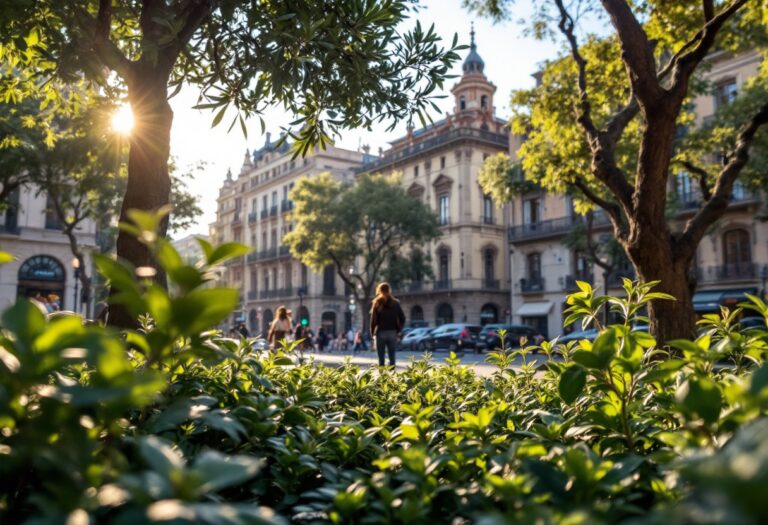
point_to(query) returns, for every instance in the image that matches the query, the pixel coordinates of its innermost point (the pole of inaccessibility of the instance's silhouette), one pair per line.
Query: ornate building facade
(253, 209)
(440, 165)
(43, 260)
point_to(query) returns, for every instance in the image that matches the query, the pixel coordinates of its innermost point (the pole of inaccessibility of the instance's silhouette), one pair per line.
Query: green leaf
(25, 319)
(572, 383)
(227, 251)
(159, 454)
(701, 396)
(218, 471)
(6, 257)
(202, 309)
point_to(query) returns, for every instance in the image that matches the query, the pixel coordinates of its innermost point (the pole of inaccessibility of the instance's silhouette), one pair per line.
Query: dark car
(454, 337)
(752, 323)
(578, 335)
(489, 338)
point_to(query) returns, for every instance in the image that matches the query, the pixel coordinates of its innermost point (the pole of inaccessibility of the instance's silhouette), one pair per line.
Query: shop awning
(534, 309)
(711, 300)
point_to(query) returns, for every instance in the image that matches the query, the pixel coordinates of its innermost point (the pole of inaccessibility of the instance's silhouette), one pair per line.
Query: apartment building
(440, 165)
(254, 209)
(43, 262)
(731, 260)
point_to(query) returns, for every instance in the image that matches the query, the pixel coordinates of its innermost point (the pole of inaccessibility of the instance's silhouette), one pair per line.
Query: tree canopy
(611, 122)
(370, 225)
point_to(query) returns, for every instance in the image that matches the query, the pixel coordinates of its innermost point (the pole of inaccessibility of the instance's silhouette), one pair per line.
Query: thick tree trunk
(149, 184)
(658, 262)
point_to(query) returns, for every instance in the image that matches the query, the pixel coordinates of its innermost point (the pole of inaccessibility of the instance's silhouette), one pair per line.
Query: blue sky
(510, 60)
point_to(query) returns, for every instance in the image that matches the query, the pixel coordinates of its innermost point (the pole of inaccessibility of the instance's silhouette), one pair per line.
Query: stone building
(731, 259)
(189, 249)
(43, 261)
(440, 165)
(253, 209)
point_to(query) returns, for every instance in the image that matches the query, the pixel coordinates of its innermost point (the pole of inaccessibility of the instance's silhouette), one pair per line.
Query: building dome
(473, 63)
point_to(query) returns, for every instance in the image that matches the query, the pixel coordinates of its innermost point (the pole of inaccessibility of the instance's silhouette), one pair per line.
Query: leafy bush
(174, 423)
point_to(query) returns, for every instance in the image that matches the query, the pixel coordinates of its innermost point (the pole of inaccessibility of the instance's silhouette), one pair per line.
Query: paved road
(363, 359)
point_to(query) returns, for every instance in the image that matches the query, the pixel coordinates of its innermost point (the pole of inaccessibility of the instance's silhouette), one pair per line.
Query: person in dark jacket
(387, 320)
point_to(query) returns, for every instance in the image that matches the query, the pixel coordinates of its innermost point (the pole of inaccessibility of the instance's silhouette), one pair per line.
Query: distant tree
(365, 226)
(332, 63)
(608, 124)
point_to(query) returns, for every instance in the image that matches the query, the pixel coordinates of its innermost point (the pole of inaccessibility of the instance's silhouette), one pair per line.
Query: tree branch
(105, 49)
(592, 249)
(702, 176)
(637, 53)
(718, 202)
(611, 208)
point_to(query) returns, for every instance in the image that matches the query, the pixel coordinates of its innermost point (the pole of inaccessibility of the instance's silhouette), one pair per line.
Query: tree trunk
(668, 319)
(149, 184)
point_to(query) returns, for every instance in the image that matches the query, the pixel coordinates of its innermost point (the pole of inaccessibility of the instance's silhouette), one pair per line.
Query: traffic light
(304, 321)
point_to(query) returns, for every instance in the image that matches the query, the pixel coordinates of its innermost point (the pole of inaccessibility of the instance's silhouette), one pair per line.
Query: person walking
(322, 339)
(280, 328)
(387, 320)
(243, 330)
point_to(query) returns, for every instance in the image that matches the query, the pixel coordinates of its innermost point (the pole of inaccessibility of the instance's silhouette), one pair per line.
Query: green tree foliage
(368, 225)
(334, 64)
(611, 122)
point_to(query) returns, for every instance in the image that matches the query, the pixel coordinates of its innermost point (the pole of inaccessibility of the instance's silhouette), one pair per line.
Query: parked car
(411, 340)
(577, 335)
(489, 338)
(412, 325)
(752, 322)
(454, 337)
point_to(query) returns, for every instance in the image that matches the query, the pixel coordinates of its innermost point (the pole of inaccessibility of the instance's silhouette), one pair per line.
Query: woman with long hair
(387, 321)
(280, 327)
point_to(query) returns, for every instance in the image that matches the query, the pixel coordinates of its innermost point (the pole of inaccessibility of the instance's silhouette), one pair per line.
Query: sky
(510, 60)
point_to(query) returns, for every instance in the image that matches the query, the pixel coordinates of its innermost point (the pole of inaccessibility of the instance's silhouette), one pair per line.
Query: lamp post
(76, 266)
(352, 309)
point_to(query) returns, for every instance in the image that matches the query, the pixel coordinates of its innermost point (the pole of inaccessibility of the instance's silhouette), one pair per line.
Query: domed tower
(473, 93)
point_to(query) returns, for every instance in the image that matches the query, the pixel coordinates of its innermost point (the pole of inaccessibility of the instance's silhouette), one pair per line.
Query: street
(364, 359)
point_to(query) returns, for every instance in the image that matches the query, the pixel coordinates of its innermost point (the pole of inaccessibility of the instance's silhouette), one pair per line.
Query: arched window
(328, 322)
(484, 101)
(737, 253)
(253, 320)
(487, 209)
(443, 267)
(417, 313)
(41, 275)
(489, 314)
(462, 103)
(444, 314)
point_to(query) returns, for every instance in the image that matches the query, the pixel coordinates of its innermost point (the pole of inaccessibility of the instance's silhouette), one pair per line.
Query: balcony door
(737, 253)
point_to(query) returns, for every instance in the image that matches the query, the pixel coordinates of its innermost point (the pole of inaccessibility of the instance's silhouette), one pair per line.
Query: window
(445, 216)
(737, 252)
(580, 266)
(254, 281)
(488, 266)
(415, 171)
(52, 221)
(444, 314)
(725, 92)
(444, 270)
(264, 203)
(274, 238)
(417, 313)
(686, 190)
(266, 280)
(442, 163)
(263, 240)
(531, 211)
(254, 205)
(329, 280)
(484, 101)
(285, 193)
(533, 266)
(274, 198)
(462, 103)
(288, 276)
(487, 209)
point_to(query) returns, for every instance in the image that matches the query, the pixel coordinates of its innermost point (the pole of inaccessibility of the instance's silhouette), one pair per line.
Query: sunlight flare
(122, 120)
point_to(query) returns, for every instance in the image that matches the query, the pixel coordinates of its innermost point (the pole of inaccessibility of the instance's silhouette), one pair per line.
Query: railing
(443, 284)
(252, 295)
(485, 219)
(253, 257)
(617, 277)
(444, 138)
(532, 284)
(278, 293)
(264, 214)
(273, 210)
(491, 284)
(234, 262)
(552, 227)
(286, 206)
(329, 291)
(424, 287)
(252, 217)
(11, 228)
(728, 272)
(570, 281)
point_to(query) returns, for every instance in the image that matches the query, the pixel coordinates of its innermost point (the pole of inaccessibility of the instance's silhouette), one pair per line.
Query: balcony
(252, 217)
(10, 227)
(286, 206)
(277, 293)
(236, 217)
(391, 158)
(284, 251)
(693, 201)
(552, 227)
(253, 257)
(442, 284)
(491, 284)
(729, 272)
(329, 291)
(253, 295)
(569, 284)
(273, 211)
(487, 219)
(532, 285)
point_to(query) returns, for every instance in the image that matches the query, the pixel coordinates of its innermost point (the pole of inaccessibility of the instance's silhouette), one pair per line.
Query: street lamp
(352, 309)
(76, 266)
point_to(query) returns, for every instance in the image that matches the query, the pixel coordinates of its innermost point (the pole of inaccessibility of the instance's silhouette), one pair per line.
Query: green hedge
(173, 423)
